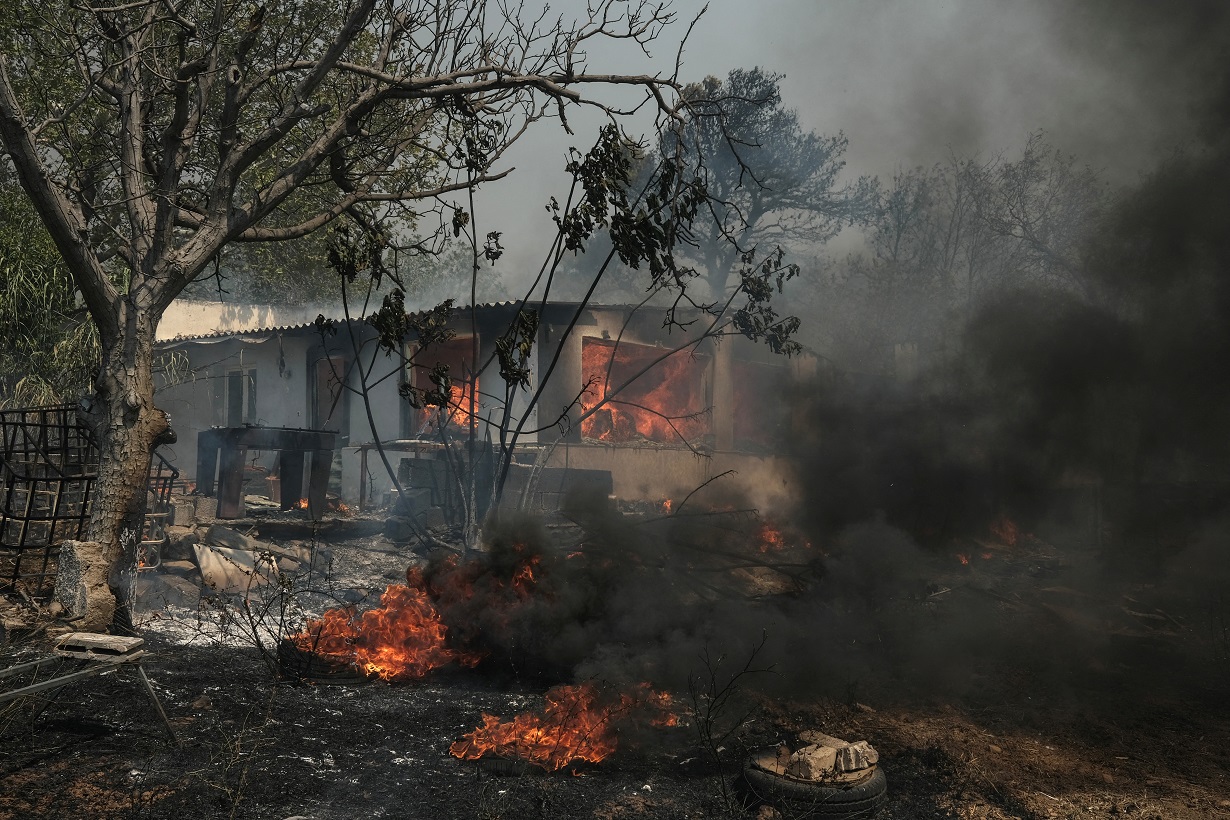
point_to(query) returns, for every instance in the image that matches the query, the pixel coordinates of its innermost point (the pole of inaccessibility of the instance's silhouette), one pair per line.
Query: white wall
(385, 413)
(280, 362)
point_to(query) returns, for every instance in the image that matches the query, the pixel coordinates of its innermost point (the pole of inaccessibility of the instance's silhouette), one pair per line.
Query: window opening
(454, 354)
(664, 404)
(240, 400)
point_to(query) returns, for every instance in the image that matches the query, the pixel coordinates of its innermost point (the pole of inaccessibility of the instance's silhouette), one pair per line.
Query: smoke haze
(1092, 419)
(1119, 84)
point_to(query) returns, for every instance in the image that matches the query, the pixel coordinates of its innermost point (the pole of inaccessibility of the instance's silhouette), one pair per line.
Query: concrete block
(812, 763)
(180, 541)
(156, 592)
(232, 571)
(855, 757)
(81, 586)
(183, 511)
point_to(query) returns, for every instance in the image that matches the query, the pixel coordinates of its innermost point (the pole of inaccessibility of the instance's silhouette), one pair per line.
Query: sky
(1117, 83)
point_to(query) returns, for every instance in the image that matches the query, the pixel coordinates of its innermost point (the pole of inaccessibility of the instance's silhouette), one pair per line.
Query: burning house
(610, 397)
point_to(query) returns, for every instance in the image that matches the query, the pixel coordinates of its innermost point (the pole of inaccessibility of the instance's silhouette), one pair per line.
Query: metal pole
(149, 687)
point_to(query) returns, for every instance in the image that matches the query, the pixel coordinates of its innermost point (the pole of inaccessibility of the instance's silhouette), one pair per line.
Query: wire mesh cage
(48, 466)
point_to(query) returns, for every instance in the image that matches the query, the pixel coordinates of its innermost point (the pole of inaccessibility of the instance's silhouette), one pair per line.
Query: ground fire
(1005, 529)
(577, 724)
(334, 504)
(405, 637)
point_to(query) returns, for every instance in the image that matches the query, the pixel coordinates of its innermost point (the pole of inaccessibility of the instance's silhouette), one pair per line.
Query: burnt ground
(1109, 743)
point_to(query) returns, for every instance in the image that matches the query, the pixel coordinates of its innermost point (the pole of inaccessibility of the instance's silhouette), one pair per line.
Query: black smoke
(1093, 418)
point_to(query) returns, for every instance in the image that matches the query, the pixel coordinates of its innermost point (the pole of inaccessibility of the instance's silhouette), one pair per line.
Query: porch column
(723, 402)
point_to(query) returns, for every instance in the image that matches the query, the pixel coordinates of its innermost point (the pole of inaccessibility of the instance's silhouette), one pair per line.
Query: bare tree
(947, 238)
(151, 133)
(770, 182)
(1043, 205)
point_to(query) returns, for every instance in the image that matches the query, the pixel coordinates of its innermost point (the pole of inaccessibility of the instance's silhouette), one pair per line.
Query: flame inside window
(454, 415)
(455, 354)
(666, 402)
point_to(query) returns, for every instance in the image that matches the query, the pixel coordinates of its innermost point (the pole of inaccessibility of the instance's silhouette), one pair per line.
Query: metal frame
(48, 466)
(92, 664)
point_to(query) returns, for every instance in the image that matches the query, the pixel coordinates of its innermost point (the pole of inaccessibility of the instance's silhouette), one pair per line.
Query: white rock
(812, 763)
(856, 756)
(232, 571)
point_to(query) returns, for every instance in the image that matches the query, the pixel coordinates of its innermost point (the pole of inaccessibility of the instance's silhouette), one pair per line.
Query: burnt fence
(48, 466)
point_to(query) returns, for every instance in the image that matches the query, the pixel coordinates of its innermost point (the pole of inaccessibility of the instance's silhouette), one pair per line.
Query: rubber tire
(813, 800)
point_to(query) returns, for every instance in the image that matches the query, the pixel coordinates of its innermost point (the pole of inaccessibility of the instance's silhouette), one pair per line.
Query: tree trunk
(126, 426)
(717, 268)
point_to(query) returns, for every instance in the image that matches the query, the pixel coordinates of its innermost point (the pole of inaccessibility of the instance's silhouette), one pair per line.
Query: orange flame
(769, 538)
(406, 637)
(455, 412)
(664, 403)
(523, 579)
(456, 581)
(402, 639)
(578, 723)
(963, 558)
(1005, 529)
(666, 507)
(337, 505)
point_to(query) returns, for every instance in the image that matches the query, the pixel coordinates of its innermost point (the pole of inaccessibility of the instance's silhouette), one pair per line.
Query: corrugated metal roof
(265, 331)
(222, 335)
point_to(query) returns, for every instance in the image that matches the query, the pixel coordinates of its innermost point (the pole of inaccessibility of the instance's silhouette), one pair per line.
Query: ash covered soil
(1109, 742)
